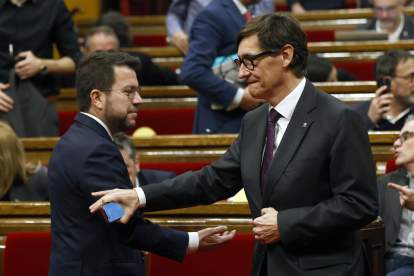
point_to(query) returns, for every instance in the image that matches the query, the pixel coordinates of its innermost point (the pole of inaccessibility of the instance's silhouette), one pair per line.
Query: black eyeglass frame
(240, 61)
(404, 136)
(129, 93)
(409, 77)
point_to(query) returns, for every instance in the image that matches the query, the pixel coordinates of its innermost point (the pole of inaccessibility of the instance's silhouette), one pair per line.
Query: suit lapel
(291, 139)
(93, 124)
(233, 13)
(393, 197)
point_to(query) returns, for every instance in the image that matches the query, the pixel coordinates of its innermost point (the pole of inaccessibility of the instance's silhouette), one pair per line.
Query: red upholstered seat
(391, 167)
(149, 40)
(177, 167)
(162, 121)
(320, 35)
(234, 258)
(27, 254)
(363, 70)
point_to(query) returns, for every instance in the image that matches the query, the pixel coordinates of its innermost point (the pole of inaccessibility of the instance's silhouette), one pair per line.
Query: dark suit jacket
(85, 160)
(390, 209)
(321, 181)
(319, 5)
(213, 34)
(147, 177)
(407, 32)
(363, 107)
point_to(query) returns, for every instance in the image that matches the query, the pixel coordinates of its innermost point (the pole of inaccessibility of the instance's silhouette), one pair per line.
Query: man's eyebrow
(246, 55)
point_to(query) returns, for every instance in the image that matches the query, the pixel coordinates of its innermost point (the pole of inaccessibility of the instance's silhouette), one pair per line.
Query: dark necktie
(248, 16)
(270, 142)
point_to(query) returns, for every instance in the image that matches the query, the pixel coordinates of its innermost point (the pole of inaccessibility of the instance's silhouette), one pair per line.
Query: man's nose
(243, 72)
(137, 99)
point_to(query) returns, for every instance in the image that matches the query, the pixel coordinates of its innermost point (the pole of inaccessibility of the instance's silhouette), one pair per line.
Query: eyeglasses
(404, 136)
(386, 9)
(130, 92)
(248, 61)
(409, 77)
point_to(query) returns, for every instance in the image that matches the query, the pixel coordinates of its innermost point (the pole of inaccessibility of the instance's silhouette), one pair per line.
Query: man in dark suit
(304, 161)
(390, 19)
(221, 105)
(396, 206)
(138, 177)
(388, 111)
(85, 160)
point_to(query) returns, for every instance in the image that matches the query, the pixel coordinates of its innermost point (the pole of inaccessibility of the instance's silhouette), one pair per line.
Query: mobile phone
(386, 82)
(112, 211)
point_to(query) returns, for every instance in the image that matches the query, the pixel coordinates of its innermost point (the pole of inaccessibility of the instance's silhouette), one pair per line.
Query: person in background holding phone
(388, 111)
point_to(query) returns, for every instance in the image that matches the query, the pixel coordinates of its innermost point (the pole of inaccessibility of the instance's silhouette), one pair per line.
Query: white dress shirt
(396, 35)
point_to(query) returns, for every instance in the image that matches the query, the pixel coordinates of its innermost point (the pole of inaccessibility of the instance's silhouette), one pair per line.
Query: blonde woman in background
(19, 181)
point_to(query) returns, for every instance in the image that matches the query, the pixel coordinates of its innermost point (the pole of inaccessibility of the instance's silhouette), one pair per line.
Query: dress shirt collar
(240, 7)
(396, 35)
(288, 104)
(100, 122)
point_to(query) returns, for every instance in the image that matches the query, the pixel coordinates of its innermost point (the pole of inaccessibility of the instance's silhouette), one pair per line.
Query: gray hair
(101, 30)
(123, 142)
(409, 119)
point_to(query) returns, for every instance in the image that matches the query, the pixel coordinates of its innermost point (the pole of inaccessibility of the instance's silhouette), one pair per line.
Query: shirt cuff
(236, 100)
(193, 242)
(141, 197)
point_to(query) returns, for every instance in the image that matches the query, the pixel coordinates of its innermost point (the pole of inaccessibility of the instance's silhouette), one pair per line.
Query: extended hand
(180, 39)
(128, 199)
(406, 196)
(266, 229)
(6, 103)
(29, 66)
(210, 238)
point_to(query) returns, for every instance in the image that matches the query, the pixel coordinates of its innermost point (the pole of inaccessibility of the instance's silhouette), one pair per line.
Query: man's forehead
(385, 3)
(406, 65)
(249, 46)
(408, 127)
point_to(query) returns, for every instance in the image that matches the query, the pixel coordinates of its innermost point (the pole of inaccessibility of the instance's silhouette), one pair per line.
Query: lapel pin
(304, 124)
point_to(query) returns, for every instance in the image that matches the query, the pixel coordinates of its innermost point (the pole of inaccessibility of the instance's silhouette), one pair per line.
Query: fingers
(101, 193)
(144, 253)
(4, 86)
(397, 187)
(6, 103)
(21, 55)
(380, 90)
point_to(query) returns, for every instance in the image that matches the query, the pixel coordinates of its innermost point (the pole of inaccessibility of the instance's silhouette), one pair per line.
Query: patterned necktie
(248, 16)
(270, 142)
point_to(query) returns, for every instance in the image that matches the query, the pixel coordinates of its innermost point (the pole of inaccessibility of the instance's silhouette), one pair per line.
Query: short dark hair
(275, 30)
(121, 27)
(123, 142)
(96, 71)
(386, 64)
(318, 69)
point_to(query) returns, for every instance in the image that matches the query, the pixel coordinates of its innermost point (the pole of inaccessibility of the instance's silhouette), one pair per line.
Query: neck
(18, 2)
(100, 116)
(410, 168)
(246, 6)
(395, 108)
(289, 84)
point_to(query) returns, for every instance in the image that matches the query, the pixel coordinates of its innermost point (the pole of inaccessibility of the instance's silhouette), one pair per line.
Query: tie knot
(273, 116)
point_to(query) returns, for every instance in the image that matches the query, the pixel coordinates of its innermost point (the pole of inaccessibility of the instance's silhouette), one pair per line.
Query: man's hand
(406, 196)
(6, 103)
(210, 238)
(248, 102)
(128, 199)
(180, 40)
(379, 104)
(29, 66)
(297, 8)
(266, 229)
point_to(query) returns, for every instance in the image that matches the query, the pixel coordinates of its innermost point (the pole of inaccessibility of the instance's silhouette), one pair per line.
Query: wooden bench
(35, 217)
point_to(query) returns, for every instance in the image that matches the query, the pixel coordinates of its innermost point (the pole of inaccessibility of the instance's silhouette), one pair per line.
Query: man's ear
(287, 55)
(97, 99)
(137, 163)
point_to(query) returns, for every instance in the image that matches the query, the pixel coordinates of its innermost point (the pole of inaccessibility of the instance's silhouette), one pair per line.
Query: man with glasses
(221, 105)
(85, 160)
(396, 205)
(390, 19)
(304, 160)
(388, 111)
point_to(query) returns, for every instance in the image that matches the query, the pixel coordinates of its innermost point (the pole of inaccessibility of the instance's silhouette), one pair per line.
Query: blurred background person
(19, 181)
(28, 31)
(389, 18)
(322, 70)
(138, 177)
(181, 14)
(301, 6)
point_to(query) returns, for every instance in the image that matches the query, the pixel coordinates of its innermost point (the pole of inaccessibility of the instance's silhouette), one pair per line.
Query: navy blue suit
(146, 177)
(213, 34)
(83, 161)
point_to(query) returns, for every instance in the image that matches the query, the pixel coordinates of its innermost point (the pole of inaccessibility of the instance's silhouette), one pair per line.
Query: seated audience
(396, 205)
(322, 70)
(388, 111)
(19, 181)
(152, 75)
(138, 177)
(390, 19)
(301, 6)
(181, 15)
